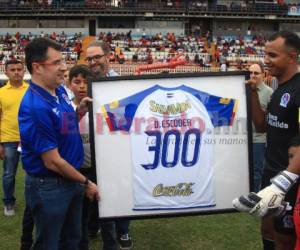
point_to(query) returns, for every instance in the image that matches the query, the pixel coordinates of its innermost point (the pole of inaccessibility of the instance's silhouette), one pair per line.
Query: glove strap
(284, 180)
(250, 200)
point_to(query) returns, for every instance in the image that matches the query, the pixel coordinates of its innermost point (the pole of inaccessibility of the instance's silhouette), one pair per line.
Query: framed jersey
(167, 145)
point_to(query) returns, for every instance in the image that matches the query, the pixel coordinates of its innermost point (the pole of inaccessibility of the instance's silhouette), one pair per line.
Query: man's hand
(2, 152)
(270, 200)
(91, 191)
(82, 108)
(252, 84)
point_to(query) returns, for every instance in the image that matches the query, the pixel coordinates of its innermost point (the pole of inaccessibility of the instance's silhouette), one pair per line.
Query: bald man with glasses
(259, 139)
(114, 233)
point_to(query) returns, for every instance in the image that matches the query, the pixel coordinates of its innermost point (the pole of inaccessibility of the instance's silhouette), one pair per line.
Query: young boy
(78, 82)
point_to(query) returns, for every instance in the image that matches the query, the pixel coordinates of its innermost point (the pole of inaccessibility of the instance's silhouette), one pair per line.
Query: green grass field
(210, 232)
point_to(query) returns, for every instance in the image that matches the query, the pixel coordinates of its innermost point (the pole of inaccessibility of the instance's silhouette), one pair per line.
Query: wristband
(284, 181)
(293, 176)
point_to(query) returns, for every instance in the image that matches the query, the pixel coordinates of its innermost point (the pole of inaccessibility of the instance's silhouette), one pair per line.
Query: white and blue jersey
(47, 122)
(172, 168)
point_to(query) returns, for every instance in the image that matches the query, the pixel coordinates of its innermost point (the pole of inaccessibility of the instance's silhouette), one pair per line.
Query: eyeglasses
(255, 73)
(94, 58)
(54, 63)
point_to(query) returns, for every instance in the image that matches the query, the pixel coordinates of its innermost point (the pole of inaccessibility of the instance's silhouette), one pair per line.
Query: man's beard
(100, 70)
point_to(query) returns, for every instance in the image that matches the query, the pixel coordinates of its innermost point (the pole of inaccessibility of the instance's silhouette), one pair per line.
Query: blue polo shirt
(47, 122)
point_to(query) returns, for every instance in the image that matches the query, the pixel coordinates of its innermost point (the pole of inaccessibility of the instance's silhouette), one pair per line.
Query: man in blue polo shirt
(52, 151)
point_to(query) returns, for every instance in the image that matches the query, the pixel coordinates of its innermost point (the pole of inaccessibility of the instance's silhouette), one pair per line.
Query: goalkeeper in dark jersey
(281, 123)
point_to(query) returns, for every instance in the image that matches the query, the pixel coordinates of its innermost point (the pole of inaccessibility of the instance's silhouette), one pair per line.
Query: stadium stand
(151, 49)
(192, 5)
(12, 46)
(206, 33)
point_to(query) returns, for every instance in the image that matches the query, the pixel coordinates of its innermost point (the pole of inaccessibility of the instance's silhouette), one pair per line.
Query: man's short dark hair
(104, 46)
(291, 39)
(36, 50)
(12, 61)
(82, 70)
(295, 141)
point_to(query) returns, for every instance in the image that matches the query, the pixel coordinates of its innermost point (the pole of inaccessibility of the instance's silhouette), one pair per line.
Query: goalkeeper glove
(270, 200)
(245, 203)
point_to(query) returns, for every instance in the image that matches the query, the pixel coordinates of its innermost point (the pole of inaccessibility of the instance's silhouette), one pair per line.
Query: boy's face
(292, 152)
(78, 85)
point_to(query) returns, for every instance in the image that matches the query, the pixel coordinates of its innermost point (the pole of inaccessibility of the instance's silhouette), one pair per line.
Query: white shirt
(172, 168)
(85, 137)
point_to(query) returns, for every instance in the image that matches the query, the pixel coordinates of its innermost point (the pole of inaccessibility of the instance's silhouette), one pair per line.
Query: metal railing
(125, 70)
(91, 5)
(21, 55)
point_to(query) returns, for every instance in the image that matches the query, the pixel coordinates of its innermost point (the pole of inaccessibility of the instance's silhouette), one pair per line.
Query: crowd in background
(12, 45)
(204, 5)
(227, 52)
(149, 49)
(197, 49)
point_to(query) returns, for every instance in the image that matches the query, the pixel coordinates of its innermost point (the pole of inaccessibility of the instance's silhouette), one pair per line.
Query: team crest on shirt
(55, 111)
(285, 100)
(288, 221)
(66, 98)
